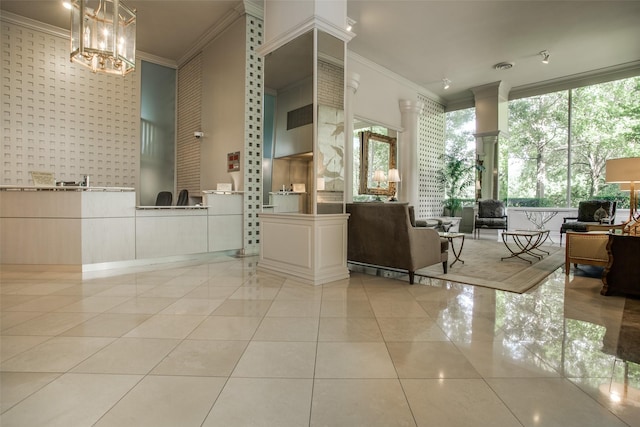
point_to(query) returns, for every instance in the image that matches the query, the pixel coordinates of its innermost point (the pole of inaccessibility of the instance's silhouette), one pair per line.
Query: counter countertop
(61, 188)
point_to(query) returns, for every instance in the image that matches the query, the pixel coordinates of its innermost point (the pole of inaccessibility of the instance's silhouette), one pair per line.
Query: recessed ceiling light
(504, 66)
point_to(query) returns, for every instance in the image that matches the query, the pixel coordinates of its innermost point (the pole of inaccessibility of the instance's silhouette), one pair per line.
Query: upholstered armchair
(491, 215)
(590, 212)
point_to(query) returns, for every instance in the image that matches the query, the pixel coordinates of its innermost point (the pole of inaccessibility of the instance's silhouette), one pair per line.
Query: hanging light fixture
(103, 36)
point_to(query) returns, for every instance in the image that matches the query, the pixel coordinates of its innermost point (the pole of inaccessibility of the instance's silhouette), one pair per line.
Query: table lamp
(625, 171)
(394, 176)
(378, 176)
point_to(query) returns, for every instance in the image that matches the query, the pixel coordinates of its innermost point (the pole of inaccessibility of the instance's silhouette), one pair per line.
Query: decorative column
(353, 82)
(408, 151)
(492, 114)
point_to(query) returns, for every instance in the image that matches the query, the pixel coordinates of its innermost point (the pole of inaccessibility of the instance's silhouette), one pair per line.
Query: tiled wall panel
(330, 85)
(254, 80)
(59, 117)
(430, 148)
(189, 121)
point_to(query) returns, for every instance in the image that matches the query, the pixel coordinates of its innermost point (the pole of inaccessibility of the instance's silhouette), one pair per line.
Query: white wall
(223, 86)
(379, 92)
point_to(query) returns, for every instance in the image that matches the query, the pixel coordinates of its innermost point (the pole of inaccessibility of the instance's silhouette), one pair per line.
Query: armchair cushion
(491, 209)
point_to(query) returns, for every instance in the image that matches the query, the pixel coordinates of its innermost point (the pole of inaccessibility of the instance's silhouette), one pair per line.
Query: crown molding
(214, 31)
(32, 24)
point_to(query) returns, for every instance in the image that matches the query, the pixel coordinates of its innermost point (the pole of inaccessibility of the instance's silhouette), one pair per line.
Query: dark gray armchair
(590, 212)
(491, 215)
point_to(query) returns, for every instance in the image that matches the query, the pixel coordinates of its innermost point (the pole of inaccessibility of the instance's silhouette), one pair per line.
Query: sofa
(384, 235)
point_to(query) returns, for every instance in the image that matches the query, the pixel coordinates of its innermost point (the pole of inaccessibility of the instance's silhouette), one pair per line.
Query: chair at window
(491, 215)
(590, 212)
(183, 198)
(164, 198)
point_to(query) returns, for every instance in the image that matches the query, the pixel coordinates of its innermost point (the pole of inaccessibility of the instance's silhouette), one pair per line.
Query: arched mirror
(377, 158)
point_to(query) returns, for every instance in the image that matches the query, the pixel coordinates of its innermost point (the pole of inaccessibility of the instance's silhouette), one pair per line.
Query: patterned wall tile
(430, 147)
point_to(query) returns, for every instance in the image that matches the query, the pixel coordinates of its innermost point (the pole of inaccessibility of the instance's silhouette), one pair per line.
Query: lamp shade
(378, 176)
(623, 170)
(394, 175)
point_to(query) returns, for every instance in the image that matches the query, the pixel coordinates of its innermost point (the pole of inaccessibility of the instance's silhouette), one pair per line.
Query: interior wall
(189, 111)
(223, 106)
(60, 117)
(379, 92)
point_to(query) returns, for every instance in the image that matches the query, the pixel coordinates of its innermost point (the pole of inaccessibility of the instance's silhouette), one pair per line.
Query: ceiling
(426, 41)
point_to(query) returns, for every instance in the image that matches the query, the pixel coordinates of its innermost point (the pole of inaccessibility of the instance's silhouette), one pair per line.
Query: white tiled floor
(217, 344)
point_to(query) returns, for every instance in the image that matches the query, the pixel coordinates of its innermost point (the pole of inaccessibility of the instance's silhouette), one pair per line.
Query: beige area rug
(483, 267)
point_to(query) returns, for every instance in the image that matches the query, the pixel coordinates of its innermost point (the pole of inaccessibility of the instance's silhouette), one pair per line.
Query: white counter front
(66, 226)
(92, 227)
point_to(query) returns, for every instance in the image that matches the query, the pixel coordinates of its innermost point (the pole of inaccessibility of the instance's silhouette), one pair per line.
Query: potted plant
(456, 175)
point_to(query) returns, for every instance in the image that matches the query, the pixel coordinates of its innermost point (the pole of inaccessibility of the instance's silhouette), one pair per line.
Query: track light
(350, 23)
(545, 56)
(446, 83)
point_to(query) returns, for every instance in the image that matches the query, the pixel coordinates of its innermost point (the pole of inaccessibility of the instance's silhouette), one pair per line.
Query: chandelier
(103, 36)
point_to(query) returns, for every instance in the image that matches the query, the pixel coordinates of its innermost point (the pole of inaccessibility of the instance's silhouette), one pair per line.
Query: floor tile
(295, 308)
(385, 307)
(430, 360)
(410, 329)
(346, 308)
(202, 358)
(128, 356)
(16, 386)
(277, 360)
(49, 324)
(107, 325)
(255, 293)
(59, 354)
(195, 306)
(456, 402)
(243, 307)
(349, 329)
(551, 402)
(262, 401)
(13, 345)
(354, 360)
(93, 304)
(359, 402)
(287, 329)
(70, 400)
(160, 401)
(143, 305)
(166, 326)
(226, 328)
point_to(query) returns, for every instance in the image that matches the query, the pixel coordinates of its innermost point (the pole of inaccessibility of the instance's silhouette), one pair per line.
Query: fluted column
(408, 151)
(353, 82)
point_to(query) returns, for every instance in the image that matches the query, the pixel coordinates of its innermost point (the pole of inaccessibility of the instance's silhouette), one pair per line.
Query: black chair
(164, 198)
(491, 215)
(183, 198)
(590, 212)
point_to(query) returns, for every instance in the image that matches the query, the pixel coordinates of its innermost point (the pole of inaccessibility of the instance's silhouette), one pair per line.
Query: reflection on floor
(217, 344)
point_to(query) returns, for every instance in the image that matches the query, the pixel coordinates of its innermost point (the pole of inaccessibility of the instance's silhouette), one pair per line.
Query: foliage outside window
(457, 176)
(548, 161)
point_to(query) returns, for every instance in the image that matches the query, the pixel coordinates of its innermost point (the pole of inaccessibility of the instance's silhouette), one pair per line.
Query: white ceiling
(426, 41)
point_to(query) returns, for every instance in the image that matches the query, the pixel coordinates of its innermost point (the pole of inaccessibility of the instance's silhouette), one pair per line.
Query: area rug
(483, 267)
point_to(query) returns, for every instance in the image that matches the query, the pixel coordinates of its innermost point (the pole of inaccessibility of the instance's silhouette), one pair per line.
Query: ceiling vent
(503, 66)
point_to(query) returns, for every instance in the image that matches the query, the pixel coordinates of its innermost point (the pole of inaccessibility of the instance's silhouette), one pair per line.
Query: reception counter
(99, 227)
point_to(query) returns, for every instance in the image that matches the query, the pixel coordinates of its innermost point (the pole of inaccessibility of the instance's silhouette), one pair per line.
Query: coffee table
(527, 242)
(450, 237)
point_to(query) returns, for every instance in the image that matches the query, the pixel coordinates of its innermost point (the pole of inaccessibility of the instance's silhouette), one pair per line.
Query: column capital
(353, 82)
(409, 106)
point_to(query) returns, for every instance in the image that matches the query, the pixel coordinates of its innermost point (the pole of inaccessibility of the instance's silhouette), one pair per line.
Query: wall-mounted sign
(233, 162)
